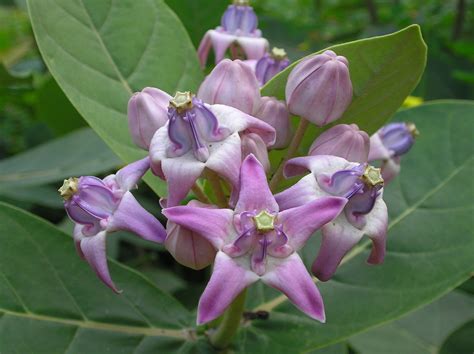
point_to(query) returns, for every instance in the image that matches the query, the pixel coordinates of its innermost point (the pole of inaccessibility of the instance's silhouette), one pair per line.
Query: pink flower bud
(231, 83)
(253, 144)
(276, 114)
(319, 88)
(188, 247)
(343, 140)
(147, 112)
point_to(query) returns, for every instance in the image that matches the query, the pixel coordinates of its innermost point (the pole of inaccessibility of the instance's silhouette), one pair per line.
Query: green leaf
(422, 332)
(430, 247)
(51, 301)
(384, 71)
(460, 342)
(41, 195)
(79, 153)
(100, 52)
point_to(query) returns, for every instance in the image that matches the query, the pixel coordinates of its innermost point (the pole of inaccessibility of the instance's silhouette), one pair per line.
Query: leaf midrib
(270, 305)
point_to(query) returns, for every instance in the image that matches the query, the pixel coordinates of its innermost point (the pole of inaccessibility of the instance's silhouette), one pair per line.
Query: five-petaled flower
(364, 213)
(258, 241)
(100, 206)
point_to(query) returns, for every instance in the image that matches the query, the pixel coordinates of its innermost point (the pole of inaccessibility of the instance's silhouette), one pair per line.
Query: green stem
(292, 150)
(215, 183)
(230, 323)
(200, 195)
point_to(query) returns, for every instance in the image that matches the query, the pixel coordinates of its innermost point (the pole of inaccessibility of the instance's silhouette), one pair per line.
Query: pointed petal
(203, 50)
(254, 191)
(253, 144)
(220, 43)
(225, 159)
(78, 236)
(213, 224)
(376, 229)
(94, 250)
(128, 176)
(377, 149)
(316, 164)
(131, 216)
(253, 47)
(291, 278)
(227, 281)
(301, 222)
(339, 237)
(390, 169)
(304, 191)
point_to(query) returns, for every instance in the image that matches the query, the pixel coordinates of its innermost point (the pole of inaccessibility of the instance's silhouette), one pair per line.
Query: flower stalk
(215, 183)
(200, 195)
(224, 334)
(292, 150)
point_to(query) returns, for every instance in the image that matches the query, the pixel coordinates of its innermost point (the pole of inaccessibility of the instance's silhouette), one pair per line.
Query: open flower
(364, 213)
(199, 136)
(257, 241)
(389, 143)
(238, 30)
(100, 206)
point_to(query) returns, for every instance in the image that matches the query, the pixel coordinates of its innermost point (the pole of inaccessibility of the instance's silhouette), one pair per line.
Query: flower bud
(271, 64)
(343, 140)
(188, 247)
(253, 144)
(275, 113)
(231, 83)
(147, 112)
(239, 19)
(319, 88)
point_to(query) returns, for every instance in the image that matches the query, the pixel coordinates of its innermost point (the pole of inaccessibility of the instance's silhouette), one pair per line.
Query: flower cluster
(223, 134)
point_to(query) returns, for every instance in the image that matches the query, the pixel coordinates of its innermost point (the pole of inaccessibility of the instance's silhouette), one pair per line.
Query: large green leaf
(100, 52)
(460, 342)
(79, 153)
(384, 71)
(51, 301)
(422, 332)
(430, 246)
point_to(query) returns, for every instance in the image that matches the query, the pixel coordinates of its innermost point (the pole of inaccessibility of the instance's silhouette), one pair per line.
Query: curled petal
(302, 192)
(78, 236)
(301, 222)
(291, 278)
(213, 224)
(90, 225)
(254, 191)
(129, 176)
(131, 216)
(94, 251)
(316, 164)
(220, 42)
(204, 48)
(376, 229)
(227, 281)
(254, 47)
(390, 169)
(378, 151)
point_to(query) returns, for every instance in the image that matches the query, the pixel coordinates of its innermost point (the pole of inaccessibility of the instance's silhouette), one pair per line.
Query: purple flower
(231, 83)
(257, 241)
(199, 136)
(389, 143)
(238, 30)
(270, 65)
(100, 206)
(342, 140)
(364, 213)
(319, 88)
(147, 112)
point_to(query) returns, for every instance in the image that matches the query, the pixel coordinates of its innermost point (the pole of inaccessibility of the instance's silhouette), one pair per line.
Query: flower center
(241, 2)
(69, 188)
(182, 101)
(372, 176)
(412, 129)
(278, 53)
(264, 221)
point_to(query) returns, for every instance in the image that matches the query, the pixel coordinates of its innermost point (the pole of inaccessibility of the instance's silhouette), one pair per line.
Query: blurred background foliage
(34, 110)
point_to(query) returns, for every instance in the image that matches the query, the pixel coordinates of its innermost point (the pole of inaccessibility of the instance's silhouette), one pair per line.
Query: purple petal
(253, 47)
(227, 281)
(204, 48)
(213, 224)
(304, 191)
(315, 164)
(254, 191)
(91, 224)
(78, 236)
(291, 278)
(129, 176)
(94, 250)
(301, 222)
(390, 169)
(253, 144)
(220, 43)
(131, 216)
(377, 149)
(376, 229)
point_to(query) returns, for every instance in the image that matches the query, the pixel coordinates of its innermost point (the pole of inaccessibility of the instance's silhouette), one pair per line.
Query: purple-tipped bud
(319, 88)
(343, 140)
(271, 64)
(231, 83)
(239, 19)
(147, 112)
(275, 113)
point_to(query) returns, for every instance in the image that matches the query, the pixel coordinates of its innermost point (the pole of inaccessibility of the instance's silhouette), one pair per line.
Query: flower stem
(292, 150)
(200, 195)
(224, 334)
(215, 182)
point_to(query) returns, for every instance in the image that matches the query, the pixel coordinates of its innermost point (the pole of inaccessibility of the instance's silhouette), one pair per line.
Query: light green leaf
(100, 52)
(51, 301)
(430, 247)
(384, 71)
(422, 332)
(79, 153)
